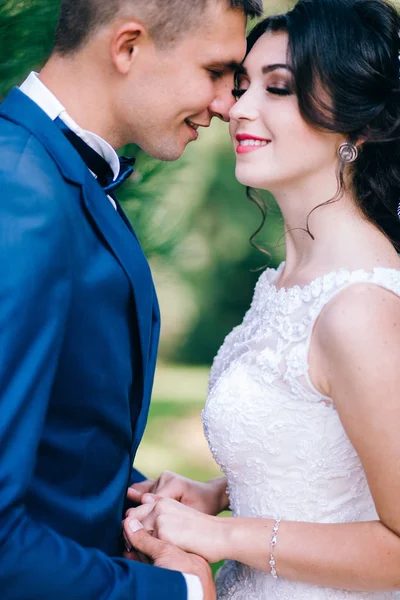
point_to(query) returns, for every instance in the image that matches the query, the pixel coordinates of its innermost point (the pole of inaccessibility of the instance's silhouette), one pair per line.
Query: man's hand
(187, 528)
(209, 498)
(167, 556)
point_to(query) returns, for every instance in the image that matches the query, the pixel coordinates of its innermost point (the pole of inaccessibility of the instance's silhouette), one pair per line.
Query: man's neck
(82, 93)
(39, 93)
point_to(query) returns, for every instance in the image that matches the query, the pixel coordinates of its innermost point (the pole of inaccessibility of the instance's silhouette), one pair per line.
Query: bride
(303, 413)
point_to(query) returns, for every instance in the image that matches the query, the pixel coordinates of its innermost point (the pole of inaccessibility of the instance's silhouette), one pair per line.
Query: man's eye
(215, 75)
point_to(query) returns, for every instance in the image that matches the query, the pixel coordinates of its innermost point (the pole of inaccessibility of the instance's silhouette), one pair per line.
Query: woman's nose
(244, 108)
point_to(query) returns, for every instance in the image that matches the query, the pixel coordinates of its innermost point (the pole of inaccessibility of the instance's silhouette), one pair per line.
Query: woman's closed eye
(272, 89)
(280, 91)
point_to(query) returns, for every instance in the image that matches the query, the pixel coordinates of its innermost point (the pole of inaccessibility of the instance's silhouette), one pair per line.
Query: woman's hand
(177, 524)
(209, 498)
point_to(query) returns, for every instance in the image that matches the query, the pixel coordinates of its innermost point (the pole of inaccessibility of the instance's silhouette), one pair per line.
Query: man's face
(174, 91)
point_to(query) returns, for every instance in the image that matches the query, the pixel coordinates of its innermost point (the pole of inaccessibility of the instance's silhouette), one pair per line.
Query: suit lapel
(19, 109)
(117, 233)
(125, 247)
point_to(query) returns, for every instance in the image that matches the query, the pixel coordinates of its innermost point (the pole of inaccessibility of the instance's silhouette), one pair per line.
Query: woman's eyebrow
(268, 68)
(241, 69)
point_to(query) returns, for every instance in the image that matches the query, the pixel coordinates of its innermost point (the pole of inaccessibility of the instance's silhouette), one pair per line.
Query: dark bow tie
(96, 163)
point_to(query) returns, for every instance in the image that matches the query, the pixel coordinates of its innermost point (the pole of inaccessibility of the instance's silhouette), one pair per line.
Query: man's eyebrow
(268, 68)
(228, 67)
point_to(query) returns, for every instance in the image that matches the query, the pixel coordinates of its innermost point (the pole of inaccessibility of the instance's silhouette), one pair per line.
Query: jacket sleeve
(136, 476)
(36, 563)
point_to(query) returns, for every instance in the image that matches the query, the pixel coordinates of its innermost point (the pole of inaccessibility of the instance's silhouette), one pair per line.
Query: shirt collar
(45, 99)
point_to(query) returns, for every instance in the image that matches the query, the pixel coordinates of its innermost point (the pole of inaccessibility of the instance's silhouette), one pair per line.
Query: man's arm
(136, 477)
(36, 563)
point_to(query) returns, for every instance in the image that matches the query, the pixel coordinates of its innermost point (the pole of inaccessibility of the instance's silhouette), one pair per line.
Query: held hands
(167, 512)
(209, 498)
(177, 524)
(166, 556)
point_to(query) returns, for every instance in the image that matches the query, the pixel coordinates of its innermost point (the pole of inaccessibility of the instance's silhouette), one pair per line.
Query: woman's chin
(244, 178)
(249, 179)
(261, 181)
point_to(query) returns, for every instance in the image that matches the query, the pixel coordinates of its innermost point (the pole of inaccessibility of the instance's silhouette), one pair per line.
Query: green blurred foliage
(192, 217)
(26, 37)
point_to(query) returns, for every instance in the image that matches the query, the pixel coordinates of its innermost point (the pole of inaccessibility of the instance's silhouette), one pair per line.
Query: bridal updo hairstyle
(349, 51)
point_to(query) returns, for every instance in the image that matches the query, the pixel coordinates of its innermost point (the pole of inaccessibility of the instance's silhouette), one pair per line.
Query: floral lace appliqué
(279, 441)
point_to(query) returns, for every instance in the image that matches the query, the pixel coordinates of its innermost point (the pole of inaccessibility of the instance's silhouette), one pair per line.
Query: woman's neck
(338, 235)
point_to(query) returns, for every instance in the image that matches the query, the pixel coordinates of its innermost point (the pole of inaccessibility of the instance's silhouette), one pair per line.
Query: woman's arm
(353, 556)
(355, 358)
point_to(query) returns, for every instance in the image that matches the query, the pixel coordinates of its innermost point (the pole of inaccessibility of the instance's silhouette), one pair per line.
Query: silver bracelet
(272, 562)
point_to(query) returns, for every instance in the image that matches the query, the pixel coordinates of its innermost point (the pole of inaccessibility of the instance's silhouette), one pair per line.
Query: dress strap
(315, 298)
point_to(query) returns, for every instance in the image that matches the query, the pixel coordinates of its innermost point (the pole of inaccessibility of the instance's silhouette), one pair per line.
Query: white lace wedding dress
(279, 442)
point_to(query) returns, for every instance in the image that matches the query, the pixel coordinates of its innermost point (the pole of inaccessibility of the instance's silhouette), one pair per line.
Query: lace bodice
(278, 440)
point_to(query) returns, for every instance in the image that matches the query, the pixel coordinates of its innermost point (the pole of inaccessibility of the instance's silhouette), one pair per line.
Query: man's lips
(249, 143)
(193, 128)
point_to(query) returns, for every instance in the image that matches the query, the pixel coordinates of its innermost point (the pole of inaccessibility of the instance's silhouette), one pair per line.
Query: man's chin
(166, 153)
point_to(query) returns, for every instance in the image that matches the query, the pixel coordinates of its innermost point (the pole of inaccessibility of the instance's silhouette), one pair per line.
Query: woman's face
(275, 148)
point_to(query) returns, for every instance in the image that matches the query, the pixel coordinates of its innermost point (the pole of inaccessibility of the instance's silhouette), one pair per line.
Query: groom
(79, 319)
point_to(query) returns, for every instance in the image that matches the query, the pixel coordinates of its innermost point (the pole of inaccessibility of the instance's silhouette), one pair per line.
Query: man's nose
(222, 103)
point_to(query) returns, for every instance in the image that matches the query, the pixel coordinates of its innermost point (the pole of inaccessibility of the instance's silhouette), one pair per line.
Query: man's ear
(127, 40)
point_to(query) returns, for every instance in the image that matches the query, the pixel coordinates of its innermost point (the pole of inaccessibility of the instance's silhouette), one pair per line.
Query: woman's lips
(250, 143)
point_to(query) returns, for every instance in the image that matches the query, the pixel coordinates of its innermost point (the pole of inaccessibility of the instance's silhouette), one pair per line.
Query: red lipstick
(254, 143)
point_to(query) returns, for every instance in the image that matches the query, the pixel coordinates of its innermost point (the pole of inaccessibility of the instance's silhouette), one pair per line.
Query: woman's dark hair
(345, 60)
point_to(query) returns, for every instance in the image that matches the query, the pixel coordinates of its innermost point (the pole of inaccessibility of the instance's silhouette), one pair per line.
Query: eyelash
(215, 75)
(272, 90)
(280, 91)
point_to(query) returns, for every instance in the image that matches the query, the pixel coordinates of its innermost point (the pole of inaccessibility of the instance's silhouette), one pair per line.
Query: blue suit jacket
(79, 327)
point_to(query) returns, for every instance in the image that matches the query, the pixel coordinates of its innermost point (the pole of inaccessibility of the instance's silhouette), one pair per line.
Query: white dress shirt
(35, 89)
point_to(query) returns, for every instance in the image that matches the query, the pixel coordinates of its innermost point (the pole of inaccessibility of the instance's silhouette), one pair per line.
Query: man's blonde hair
(166, 20)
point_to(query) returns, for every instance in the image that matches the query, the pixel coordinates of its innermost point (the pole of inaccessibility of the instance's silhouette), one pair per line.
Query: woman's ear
(359, 140)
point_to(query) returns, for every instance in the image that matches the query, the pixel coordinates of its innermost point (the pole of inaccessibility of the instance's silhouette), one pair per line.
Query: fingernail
(135, 525)
(132, 491)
